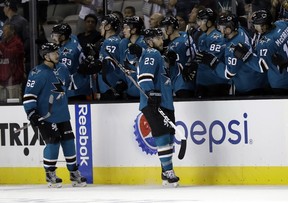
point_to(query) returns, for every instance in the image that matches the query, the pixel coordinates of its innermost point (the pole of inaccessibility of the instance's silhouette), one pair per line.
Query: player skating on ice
(154, 79)
(45, 81)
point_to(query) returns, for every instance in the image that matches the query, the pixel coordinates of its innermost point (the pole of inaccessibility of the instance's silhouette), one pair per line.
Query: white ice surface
(142, 194)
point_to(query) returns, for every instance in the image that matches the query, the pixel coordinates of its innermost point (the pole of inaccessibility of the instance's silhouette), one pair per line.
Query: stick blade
(182, 149)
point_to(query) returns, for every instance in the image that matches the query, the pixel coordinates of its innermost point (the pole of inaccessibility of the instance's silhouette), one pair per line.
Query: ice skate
(77, 179)
(169, 178)
(53, 180)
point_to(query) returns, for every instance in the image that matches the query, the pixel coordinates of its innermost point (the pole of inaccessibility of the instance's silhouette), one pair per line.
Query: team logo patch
(142, 131)
(66, 51)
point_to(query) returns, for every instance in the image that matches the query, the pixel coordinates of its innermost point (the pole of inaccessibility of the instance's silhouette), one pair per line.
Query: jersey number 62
(30, 83)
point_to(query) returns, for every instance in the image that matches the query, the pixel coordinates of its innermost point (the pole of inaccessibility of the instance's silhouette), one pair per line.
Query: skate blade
(76, 184)
(165, 183)
(54, 185)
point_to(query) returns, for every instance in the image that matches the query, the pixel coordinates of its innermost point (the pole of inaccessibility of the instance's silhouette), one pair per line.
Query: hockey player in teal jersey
(247, 81)
(178, 54)
(270, 52)
(130, 49)
(109, 75)
(71, 54)
(153, 78)
(51, 80)
(208, 83)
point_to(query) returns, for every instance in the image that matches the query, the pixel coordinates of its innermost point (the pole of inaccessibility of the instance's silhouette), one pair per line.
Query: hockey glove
(90, 66)
(135, 49)
(171, 57)
(92, 49)
(242, 52)
(154, 100)
(34, 117)
(280, 61)
(121, 86)
(189, 71)
(207, 59)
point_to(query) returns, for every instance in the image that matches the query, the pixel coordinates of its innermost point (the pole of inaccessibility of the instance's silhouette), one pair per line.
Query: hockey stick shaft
(51, 100)
(166, 118)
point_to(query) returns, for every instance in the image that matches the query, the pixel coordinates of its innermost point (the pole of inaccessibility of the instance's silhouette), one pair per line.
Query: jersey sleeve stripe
(145, 76)
(27, 98)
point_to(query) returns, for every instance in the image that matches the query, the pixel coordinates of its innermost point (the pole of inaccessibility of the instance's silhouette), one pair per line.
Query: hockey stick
(166, 119)
(104, 70)
(51, 100)
(93, 53)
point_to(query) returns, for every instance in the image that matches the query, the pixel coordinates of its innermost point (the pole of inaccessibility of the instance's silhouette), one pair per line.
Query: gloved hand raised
(207, 59)
(189, 71)
(242, 52)
(154, 100)
(135, 49)
(90, 66)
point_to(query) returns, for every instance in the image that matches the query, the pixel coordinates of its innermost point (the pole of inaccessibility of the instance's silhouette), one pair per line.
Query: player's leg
(165, 153)
(51, 137)
(164, 139)
(69, 151)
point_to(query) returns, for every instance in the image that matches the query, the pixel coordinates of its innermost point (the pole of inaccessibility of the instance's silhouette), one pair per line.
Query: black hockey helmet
(262, 17)
(152, 32)
(63, 29)
(111, 19)
(48, 47)
(208, 14)
(135, 22)
(12, 4)
(170, 20)
(228, 20)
